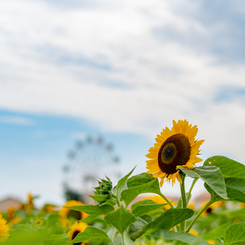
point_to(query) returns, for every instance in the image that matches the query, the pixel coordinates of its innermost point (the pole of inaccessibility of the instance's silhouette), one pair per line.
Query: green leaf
(90, 218)
(121, 185)
(130, 194)
(235, 234)
(171, 218)
(137, 225)
(141, 179)
(216, 232)
(236, 189)
(93, 209)
(143, 209)
(120, 219)
(214, 196)
(227, 166)
(112, 233)
(100, 198)
(211, 175)
(127, 240)
(218, 241)
(90, 233)
(166, 221)
(180, 236)
(234, 173)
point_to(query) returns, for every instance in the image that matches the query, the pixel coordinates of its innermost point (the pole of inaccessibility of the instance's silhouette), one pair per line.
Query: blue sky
(120, 70)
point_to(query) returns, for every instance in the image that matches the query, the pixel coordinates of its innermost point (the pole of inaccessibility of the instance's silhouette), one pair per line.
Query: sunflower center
(74, 214)
(174, 151)
(75, 233)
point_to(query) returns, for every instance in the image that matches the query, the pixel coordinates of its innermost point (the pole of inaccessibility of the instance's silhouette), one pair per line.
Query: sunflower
(160, 200)
(29, 205)
(4, 229)
(174, 148)
(12, 218)
(38, 222)
(210, 208)
(193, 232)
(66, 213)
(76, 228)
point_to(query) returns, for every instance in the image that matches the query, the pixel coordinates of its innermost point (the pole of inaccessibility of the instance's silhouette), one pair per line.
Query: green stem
(122, 239)
(189, 193)
(197, 216)
(166, 199)
(183, 197)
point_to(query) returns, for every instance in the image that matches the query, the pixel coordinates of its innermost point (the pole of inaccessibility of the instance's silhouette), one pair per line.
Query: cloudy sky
(122, 70)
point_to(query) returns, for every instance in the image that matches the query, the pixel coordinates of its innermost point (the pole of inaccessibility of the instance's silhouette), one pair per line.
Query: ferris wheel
(88, 161)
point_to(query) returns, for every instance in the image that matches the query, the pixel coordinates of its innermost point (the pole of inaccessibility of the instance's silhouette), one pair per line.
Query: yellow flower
(174, 148)
(160, 200)
(48, 208)
(4, 229)
(66, 213)
(191, 205)
(193, 232)
(210, 208)
(38, 222)
(242, 205)
(211, 241)
(76, 229)
(29, 203)
(12, 217)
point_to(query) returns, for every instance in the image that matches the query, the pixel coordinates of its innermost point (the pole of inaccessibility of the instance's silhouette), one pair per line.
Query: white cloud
(16, 120)
(52, 62)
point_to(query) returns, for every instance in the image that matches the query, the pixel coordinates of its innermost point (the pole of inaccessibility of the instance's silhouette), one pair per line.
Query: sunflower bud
(102, 193)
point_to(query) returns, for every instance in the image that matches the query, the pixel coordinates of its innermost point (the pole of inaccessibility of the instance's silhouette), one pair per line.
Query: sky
(120, 70)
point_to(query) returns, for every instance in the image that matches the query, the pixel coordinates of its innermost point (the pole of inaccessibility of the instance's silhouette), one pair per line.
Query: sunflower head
(174, 148)
(48, 208)
(38, 222)
(29, 205)
(4, 229)
(210, 208)
(75, 229)
(66, 213)
(11, 212)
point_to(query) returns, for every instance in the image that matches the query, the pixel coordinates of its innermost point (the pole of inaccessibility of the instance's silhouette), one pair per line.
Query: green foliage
(121, 219)
(179, 236)
(234, 175)
(91, 233)
(235, 234)
(211, 175)
(110, 222)
(146, 207)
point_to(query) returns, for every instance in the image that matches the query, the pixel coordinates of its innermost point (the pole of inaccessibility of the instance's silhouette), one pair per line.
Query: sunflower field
(116, 218)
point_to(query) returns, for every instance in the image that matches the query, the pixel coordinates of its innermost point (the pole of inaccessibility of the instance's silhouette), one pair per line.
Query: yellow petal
(151, 155)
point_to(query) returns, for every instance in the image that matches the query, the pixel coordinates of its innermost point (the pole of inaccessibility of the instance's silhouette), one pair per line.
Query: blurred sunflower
(174, 148)
(29, 205)
(4, 229)
(48, 208)
(12, 218)
(193, 232)
(191, 205)
(76, 228)
(160, 200)
(38, 222)
(210, 208)
(66, 213)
